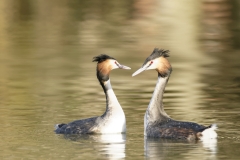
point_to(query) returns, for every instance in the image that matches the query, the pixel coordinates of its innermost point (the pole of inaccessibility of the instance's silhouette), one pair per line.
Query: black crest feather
(157, 53)
(101, 58)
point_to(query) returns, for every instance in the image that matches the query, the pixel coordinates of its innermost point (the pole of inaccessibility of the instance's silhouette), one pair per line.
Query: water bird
(113, 119)
(157, 123)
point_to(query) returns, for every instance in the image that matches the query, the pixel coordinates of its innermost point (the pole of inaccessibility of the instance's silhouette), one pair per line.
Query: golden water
(47, 77)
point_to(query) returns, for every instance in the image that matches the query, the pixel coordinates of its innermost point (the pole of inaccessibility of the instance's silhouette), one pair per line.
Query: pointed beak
(123, 67)
(139, 71)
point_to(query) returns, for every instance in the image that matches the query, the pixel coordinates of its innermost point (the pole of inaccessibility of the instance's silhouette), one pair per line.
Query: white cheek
(114, 66)
(153, 66)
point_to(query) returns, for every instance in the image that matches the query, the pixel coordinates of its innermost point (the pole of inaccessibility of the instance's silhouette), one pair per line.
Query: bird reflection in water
(162, 148)
(110, 146)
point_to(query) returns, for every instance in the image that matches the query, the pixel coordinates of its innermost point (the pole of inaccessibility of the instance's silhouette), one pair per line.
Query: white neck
(114, 115)
(155, 111)
(112, 102)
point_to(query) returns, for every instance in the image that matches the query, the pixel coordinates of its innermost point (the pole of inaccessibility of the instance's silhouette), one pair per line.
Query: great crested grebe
(156, 121)
(113, 120)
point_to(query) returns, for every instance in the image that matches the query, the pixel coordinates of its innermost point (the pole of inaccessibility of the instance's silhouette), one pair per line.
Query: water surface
(48, 77)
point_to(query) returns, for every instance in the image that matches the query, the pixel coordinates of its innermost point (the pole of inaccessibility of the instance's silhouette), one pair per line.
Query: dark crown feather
(101, 58)
(157, 53)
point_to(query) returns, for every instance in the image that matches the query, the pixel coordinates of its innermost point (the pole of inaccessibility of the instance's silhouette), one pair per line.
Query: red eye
(151, 62)
(116, 63)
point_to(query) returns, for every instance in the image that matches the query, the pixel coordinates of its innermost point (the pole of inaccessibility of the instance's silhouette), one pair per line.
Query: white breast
(115, 124)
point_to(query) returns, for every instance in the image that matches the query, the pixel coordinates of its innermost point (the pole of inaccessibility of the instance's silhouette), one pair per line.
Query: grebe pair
(156, 121)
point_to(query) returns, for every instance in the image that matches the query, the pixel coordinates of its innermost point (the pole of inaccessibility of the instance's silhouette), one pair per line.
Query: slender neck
(112, 104)
(155, 111)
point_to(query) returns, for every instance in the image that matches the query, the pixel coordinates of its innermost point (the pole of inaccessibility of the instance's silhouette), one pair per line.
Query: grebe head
(105, 64)
(158, 61)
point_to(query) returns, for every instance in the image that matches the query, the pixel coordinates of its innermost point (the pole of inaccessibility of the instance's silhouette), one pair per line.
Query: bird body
(113, 120)
(156, 121)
